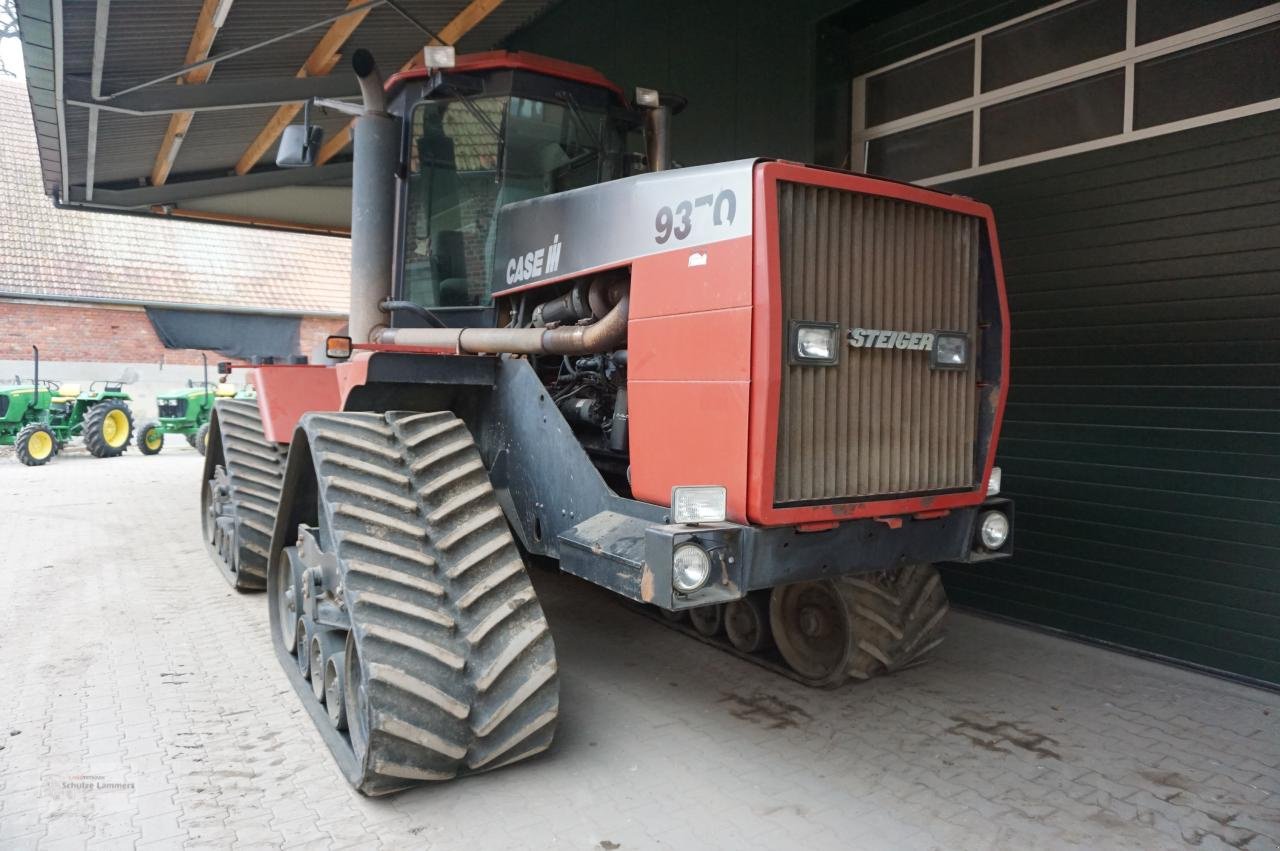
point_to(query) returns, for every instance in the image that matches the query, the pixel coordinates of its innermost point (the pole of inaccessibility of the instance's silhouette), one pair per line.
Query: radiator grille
(880, 422)
(172, 408)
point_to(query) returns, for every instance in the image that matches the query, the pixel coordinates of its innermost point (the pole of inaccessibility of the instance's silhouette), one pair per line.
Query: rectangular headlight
(950, 350)
(702, 504)
(814, 343)
(993, 483)
(439, 56)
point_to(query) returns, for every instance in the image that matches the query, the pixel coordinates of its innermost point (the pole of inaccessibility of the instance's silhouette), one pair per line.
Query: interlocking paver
(148, 710)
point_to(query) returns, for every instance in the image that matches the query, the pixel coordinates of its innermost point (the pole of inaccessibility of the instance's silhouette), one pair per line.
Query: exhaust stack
(658, 108)
(376, 141)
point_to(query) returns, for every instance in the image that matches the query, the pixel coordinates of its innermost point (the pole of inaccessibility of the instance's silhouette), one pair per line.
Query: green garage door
(1142, 435)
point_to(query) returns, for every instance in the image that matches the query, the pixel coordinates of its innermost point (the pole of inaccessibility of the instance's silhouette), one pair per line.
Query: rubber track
(457, 656)
(898, 615)
(255, 470)
(899, 619)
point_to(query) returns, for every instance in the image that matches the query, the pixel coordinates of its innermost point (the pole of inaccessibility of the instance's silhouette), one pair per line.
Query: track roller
(335, 690)
(435, 657)
(325, 644)
(708, 620)
(243, 473)
(302, 649)
(746, 622)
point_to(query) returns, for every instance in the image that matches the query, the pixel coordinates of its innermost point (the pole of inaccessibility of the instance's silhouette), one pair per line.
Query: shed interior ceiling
(145, 40)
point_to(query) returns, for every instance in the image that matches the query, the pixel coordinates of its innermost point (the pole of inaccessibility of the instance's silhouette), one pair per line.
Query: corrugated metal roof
(46, 252)
(147, 39)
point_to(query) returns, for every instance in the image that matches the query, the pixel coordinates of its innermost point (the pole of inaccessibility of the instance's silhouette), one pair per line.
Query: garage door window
(1074, 76)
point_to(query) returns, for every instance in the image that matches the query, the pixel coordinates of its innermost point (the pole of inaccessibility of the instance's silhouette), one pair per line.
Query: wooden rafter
(324, 56)
(180, 122)
(462, 23)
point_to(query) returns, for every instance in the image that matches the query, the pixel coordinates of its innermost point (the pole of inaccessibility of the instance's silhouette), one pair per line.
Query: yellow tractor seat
(66, 393)
(224, 390)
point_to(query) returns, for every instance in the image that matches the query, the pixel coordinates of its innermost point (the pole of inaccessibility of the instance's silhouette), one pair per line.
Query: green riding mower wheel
(150, 438)
(35, 445)
(107, 428)
(200, 441)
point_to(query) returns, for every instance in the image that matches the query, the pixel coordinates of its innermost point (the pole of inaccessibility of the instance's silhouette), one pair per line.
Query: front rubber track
(889, 621)
(254, 471)
(455, 666)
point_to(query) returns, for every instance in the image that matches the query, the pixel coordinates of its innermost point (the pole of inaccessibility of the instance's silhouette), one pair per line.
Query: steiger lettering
(873, 338)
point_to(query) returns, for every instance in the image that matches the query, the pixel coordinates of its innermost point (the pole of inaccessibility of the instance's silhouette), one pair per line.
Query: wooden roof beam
(207, 25)
(462, 23)
(324, 57)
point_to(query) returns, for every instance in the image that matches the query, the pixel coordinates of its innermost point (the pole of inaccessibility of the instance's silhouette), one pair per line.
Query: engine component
(606, 334)
(570, 307)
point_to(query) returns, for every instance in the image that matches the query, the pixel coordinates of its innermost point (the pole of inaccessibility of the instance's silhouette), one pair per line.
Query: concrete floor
(141, 704)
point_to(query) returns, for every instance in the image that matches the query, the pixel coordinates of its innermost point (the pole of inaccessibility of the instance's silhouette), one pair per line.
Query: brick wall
(92, 333)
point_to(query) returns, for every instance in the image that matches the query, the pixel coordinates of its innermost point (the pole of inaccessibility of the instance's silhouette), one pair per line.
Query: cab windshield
(469, 157)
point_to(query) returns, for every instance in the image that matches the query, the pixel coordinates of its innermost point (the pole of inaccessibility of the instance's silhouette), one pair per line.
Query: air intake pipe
(604, 335)
(376, 139)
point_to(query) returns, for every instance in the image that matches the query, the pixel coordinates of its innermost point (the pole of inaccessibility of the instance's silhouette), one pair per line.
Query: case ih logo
(874, 338)
(535, 263)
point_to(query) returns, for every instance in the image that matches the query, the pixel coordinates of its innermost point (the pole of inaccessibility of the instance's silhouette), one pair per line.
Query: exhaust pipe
(376, 140)
(658, 109)
(605, 335)
(657, 137)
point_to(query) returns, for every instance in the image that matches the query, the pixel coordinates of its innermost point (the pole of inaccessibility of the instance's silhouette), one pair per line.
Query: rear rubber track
(250, 469)
(450, 664)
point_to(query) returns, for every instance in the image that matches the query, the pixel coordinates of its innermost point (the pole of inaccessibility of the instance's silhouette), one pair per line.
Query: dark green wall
(748, 68)
(763, 78)
(1142, 436)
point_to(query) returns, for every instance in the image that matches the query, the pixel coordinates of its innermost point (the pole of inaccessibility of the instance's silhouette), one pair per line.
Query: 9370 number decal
(679, 222)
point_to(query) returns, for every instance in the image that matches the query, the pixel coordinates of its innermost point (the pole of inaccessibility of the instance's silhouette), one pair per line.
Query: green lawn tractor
(39, 417)
(186, 412)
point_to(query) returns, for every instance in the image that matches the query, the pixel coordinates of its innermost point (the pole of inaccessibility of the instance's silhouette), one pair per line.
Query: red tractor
(757, 393)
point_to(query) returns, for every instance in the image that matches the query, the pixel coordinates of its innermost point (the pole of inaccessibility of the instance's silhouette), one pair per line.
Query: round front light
(690, 568)
(993, 530)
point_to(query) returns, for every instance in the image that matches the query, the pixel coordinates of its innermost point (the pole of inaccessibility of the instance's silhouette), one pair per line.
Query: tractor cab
(495, 129)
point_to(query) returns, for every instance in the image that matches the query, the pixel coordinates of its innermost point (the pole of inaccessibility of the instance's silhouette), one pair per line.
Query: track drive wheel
(858, 627)
(200, 440)
(150, 438)
(434, 659)
(107, 429)
(243, 473)
(35, 444)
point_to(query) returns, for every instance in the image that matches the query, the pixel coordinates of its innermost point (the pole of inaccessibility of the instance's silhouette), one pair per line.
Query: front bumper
(633, 557)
